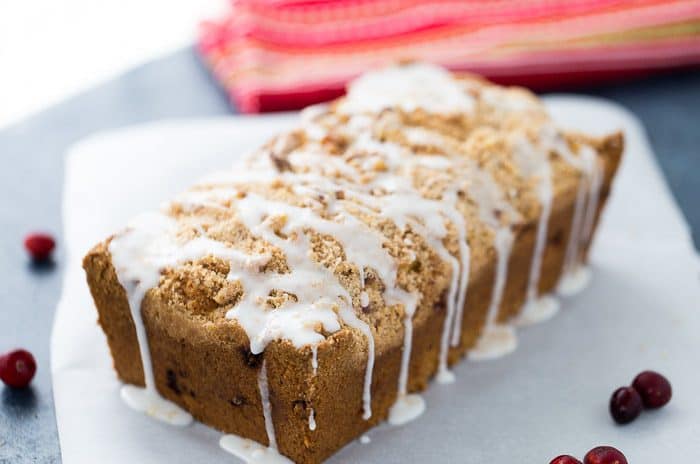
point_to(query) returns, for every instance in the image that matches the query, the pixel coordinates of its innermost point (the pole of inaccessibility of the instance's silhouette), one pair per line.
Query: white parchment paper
(641, 311)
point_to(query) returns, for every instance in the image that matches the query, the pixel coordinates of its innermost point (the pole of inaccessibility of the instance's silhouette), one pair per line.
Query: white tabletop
(549, 397)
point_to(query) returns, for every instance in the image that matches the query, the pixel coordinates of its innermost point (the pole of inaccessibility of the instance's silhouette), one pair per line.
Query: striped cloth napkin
(285, 54)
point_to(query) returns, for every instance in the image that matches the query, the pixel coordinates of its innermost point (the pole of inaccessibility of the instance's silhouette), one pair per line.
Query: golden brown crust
(208, 369)
(202, 361)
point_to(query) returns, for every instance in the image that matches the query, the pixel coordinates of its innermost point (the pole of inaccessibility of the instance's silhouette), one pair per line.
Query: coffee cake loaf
(314, 289)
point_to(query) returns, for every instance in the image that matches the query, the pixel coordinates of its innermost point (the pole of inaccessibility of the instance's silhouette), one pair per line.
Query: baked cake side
(313, 290)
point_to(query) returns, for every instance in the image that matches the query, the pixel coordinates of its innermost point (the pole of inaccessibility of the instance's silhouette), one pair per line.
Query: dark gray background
(31, 177)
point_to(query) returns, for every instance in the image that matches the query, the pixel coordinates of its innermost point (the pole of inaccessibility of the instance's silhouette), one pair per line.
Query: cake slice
(314, 289)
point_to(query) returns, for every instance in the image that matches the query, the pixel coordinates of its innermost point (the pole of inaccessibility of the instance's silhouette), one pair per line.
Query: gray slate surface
(31, 176)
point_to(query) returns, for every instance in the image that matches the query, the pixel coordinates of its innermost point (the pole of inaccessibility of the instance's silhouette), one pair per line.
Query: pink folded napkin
(285, 54)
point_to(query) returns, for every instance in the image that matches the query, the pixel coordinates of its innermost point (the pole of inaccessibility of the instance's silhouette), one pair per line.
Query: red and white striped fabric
(285, 54)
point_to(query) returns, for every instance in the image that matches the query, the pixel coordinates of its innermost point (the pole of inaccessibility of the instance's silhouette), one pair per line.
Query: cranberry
(39, 246)
(654, 389)
(625, 405)
(604, 455)
(17, 368)
(565, 459)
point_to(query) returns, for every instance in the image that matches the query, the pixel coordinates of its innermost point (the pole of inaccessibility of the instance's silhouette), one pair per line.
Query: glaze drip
(343, 171)
(575, 275)
(266, 407)
(497, 340)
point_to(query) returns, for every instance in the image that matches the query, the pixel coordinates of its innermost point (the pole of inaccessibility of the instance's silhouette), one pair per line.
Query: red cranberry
(39, 246)
(604, 455)
(625, 405)
(17, 368)
(565, 459)
(654, 389)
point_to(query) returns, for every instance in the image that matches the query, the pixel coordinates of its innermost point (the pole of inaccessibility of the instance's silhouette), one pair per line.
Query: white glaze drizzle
(542, 308)
(364, 298)
(138, 255)
(252, 209)
(422, 87)
(509, 100)
(312, 419)
(394, 294)
(496, 339)
(430, 210)
(351, 319)
(314, 370)
(575, 275)
(406, 407)
(406, 354)
(266, 406)
(574, 281)
(401, 207)
(570, 256)
(492, 207)
(534, 162)
(596, 181)
(403, 204)
(465, 254)
(408, 87)
(251, 452)
(314, 359)
(308, 117)
(147, 399)
(151, 403)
